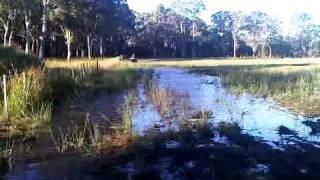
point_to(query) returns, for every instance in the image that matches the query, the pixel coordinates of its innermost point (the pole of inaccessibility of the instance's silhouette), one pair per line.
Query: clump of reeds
(79, 138)
(28, 96)
(161, 98)
(127, 113)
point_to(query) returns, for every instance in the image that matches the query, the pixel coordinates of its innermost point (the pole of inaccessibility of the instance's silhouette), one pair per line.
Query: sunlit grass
(104, 63)
(212, 62)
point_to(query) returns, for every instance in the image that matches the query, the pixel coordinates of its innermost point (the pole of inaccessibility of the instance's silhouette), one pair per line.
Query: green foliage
(11, 58)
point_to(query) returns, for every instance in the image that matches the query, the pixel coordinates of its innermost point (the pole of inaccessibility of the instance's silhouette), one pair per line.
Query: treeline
(90, 28)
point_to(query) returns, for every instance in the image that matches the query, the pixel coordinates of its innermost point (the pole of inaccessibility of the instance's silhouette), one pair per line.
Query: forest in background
(98, 28)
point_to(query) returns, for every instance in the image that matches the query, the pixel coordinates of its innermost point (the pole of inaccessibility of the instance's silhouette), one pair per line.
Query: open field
(314, 62)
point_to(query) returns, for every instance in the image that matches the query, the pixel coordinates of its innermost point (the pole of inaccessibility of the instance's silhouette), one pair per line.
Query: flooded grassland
(170, 123)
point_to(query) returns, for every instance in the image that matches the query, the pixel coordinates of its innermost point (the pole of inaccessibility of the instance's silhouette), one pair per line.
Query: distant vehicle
(132, 58)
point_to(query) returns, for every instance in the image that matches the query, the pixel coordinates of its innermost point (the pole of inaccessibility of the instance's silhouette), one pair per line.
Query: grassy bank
(27, 92)
(294, 86)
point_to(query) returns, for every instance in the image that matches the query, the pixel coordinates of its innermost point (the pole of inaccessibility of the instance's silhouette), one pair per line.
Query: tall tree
(66, 14)
(30, 11)
(8, 13)
(257, 29)
(190, 9)
(45, 13)
(226, 21)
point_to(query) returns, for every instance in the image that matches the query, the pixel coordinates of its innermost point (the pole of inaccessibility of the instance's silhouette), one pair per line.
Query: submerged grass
(81, 137)
(161, 98)
(6, 149)
(127, 113)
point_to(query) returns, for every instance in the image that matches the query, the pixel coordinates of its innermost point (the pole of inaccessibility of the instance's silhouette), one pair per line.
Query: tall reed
(29, 104)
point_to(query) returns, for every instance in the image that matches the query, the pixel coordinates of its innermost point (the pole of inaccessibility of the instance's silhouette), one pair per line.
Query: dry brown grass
(162, 99)
(104, 63)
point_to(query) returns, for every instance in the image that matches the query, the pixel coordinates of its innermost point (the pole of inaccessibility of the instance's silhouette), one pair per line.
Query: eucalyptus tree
(306, 33)
(190, 9)
(257, 30)
(8, 14)
(66, 15)
(46, 7)
(228, 22)
(30, 13)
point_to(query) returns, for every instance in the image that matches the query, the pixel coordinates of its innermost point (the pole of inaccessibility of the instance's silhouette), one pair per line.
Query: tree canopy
(78, 28)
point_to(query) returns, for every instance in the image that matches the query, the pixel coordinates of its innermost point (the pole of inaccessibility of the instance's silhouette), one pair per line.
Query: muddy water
(258, 117)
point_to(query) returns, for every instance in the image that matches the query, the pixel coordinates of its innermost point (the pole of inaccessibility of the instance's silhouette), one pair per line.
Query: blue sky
(282, 9)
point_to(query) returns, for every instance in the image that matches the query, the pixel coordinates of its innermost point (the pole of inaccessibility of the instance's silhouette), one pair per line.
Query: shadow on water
(314, 126)
(187, 126)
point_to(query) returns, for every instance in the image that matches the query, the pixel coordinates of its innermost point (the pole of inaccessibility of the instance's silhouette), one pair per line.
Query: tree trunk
(68, 36)
(77, 52)
(5, 35)
(193, 39)
(69, 51)
(89, 46)
(254, 50)
(33, 46)
(82, 52)
(28, 33)
(101, 47)
(235, 46)
(270, 52)
(11, 37)
(43, 35)
(12, 30)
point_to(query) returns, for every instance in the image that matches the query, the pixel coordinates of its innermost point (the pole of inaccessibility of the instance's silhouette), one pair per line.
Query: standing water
(259, 117)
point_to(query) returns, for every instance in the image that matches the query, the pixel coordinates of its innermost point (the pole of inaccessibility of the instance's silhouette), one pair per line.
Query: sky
(282, 9)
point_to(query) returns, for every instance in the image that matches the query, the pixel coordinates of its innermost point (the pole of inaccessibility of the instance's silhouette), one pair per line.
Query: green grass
(29, 104)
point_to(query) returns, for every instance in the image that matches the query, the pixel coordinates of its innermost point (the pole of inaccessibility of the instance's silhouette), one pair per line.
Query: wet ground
(244, 137)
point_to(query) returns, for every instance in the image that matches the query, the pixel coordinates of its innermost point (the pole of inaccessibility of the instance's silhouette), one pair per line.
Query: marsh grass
(79, 137)
(161, 98)
(127, 113)
(29, 104)
(298, 90)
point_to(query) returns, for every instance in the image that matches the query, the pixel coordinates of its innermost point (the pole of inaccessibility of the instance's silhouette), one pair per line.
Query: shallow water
(258, 117)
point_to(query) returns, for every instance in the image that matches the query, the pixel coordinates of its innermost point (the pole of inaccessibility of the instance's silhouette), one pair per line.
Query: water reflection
(257, 116)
